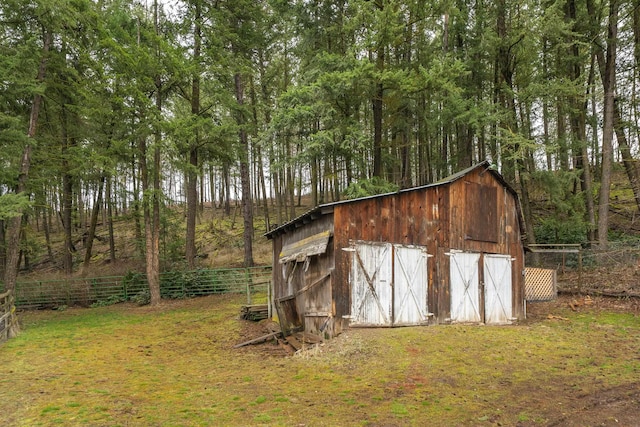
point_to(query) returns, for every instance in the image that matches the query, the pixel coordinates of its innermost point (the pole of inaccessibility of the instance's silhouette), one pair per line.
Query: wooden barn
(448, 252)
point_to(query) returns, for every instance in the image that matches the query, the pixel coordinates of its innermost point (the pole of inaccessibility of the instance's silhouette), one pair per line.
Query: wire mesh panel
(253, 281)
(540, 284)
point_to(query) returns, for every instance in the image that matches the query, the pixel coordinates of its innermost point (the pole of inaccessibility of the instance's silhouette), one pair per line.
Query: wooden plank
(294, 342)
(310, 338)
(257, 340)
(286, 298)
(317, 282)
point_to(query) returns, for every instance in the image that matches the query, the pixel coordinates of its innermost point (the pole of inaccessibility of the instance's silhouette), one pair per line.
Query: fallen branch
(610, 294)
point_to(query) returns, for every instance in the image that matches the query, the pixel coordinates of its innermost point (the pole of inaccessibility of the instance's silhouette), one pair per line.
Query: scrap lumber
(254, 312)
(294, 342)
(286, 346)
(258, 340)
(299, 340)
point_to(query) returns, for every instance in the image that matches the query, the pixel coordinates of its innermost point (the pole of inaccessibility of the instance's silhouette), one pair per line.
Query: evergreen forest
(119, 107)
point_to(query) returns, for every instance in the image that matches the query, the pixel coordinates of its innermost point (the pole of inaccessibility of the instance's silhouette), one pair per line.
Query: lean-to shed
(441, 253)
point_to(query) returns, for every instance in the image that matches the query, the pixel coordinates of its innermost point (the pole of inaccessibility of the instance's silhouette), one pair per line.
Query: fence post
(248, 285)
(10, 326)
(580, 270)
(68, 294)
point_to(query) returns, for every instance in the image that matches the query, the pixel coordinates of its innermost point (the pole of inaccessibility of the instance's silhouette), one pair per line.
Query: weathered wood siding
(475, 213)
(307, 283)
(410, 218)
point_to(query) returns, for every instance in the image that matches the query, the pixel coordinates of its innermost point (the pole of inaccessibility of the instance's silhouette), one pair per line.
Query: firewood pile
(255, 312)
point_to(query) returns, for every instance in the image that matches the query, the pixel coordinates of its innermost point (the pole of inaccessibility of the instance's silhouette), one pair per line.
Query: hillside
(219, 243)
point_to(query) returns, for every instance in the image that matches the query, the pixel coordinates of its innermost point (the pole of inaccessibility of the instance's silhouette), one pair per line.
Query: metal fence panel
(251, 281)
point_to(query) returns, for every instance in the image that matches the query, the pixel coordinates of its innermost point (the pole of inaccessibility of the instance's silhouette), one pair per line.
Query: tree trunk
(15, 224)
(152, 199)
(377, 104)
(112, 242)
(609, 82)
(247, 204)
(630, 164)
(92, 224)
(3, 248)
(47, 233)
(135, 181)
(67, 200)
(192, 169)
(577, 120)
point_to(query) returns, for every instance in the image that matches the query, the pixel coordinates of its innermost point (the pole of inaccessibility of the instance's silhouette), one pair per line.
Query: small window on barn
(481, 213)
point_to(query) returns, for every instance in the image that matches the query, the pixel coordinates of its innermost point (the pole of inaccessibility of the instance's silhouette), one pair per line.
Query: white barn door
(497, 289)
(388, 284)
(465, 298)
(410, 285)
(371, 284)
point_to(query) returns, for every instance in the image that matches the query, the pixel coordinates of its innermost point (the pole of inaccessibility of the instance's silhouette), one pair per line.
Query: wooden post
(269, 300)
(8, 319)
(580, 270)
(248, 286)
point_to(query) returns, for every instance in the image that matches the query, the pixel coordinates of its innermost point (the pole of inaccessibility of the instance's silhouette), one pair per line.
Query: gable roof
(327, 208)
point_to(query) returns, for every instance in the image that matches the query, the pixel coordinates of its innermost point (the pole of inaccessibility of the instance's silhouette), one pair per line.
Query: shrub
(134, 282)
(113, 299)
(142, 298)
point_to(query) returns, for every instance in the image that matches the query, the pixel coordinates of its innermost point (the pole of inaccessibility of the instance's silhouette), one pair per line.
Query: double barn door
(474, 298)
(388, 284)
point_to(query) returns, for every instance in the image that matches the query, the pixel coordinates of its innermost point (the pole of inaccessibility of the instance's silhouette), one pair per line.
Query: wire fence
(252, 281)
(588, 269)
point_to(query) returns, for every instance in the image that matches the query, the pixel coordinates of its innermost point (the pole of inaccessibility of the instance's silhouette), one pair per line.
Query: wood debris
(552, 317)
(254, 312)
(299, 340)
(580, 302)
(291, 343)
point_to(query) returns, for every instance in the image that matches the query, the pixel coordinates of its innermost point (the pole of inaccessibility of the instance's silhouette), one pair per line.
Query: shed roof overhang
(302, 249)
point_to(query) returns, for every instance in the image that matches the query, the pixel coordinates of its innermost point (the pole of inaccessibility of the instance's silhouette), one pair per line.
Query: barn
(448, 252)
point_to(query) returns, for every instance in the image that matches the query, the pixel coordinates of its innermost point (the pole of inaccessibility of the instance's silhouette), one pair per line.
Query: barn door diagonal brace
(371, 288)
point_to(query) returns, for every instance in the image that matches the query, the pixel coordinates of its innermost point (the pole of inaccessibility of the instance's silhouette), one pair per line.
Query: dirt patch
(537, 311)
(617, 406)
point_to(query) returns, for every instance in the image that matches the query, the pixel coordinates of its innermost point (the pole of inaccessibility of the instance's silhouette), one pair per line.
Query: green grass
(176, 365)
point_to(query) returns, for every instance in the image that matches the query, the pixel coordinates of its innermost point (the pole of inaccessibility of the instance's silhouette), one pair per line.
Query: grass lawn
(175, 365)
